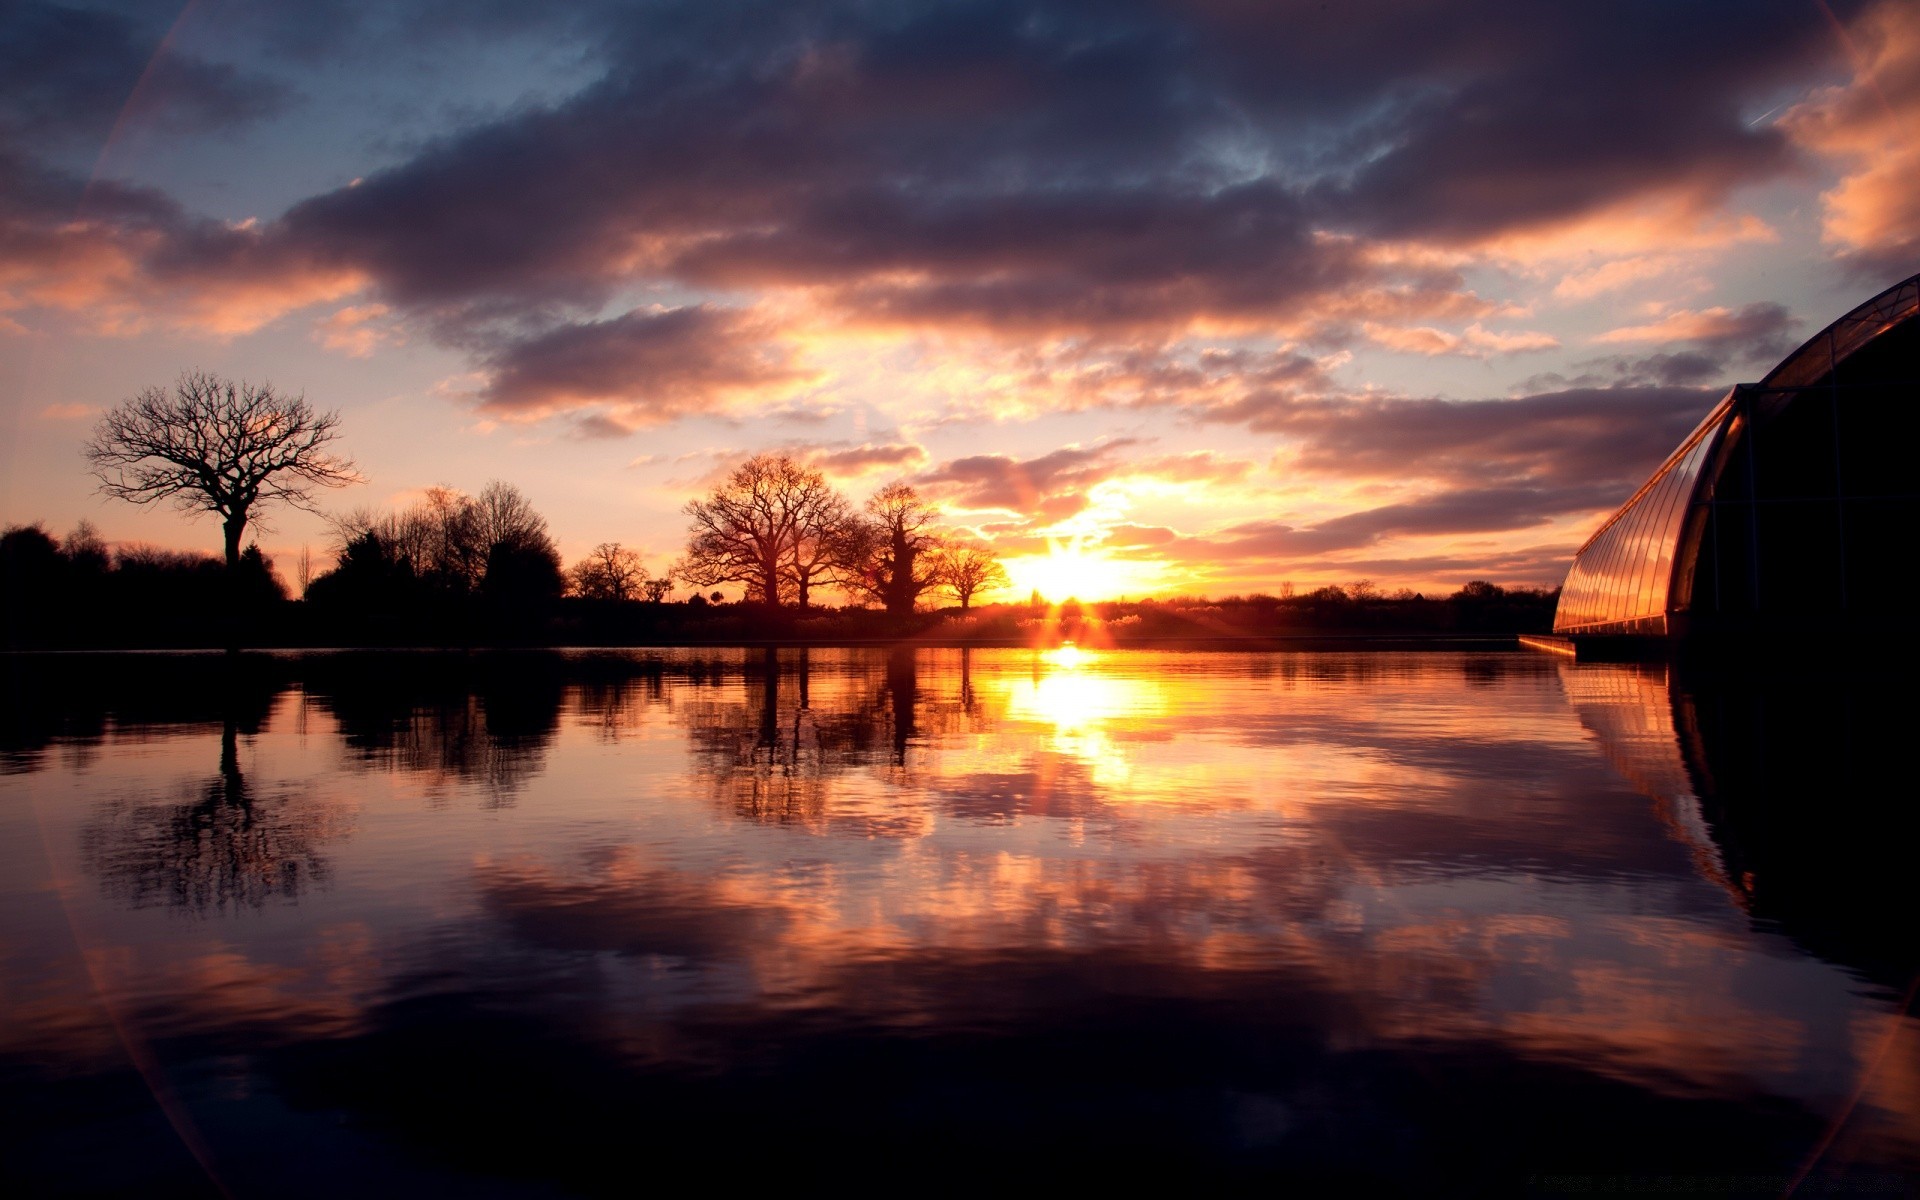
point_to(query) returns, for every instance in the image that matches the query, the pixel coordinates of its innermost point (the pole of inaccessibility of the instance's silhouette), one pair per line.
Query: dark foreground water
(543, 924)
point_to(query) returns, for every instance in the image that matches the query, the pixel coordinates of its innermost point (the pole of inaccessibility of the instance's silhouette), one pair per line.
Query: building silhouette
(1786, 514)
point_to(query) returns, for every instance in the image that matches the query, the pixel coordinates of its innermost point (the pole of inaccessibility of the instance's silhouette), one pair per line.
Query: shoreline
(1475, 643)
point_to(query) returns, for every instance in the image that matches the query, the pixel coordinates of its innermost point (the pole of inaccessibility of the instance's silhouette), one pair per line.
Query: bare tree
(751, 528)
(458, 543)
(212, 445)
(503, 516)
(828, 547)
(611, 572)
(900, 566)
(968, 569)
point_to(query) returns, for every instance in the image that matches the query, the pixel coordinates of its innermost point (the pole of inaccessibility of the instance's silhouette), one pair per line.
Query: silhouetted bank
(51, 598)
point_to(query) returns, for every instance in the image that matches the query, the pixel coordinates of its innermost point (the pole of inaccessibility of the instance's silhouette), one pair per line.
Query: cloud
(1450, 513)
(1046, 489)
(358, 330)
(1544, 117)
(645, 366)
(1704, 348)
(68, 74)
(1197, 466)
(1130, 536)
(1866, 125)
(1577, 437)
(115, 259)
(1757, 324)
(868, 458)
(1142, 185)
(1612, 276)
(1475, 342)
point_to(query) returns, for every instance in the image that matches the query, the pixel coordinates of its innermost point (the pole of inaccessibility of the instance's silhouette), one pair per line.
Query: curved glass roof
(1623, 578)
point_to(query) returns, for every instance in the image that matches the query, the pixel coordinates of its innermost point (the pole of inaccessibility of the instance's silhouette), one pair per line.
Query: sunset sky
(1218, 295)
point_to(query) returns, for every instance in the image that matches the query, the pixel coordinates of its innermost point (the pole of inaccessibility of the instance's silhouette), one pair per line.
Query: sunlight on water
(1222, 906)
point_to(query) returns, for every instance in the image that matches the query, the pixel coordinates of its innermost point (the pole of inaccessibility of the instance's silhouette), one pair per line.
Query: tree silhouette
(212, 445)
(902, 543)
(770, 526)
(611, 572)
(967, 570)
(455, 545)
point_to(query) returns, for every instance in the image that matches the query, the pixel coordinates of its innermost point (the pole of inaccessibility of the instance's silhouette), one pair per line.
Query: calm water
(543, 924)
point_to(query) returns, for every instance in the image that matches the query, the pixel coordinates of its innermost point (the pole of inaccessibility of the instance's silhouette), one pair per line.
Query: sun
(1075, 570)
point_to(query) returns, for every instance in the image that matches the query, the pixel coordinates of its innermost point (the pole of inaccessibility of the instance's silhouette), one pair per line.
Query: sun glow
(1074, 570)
(1082, 708)
(1067, 655)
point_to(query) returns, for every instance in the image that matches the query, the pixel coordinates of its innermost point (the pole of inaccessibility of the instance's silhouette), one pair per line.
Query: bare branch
(213, 445)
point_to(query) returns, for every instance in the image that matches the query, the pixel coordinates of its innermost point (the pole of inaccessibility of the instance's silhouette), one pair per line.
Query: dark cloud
(1449, 513)
(124, 256)
(1716, 348)
(1026, 168)
(1031, 165)
(68, 74)
(653, 366)
(1519, 117)
(1576, 437)
(1051, 487)
(868, 457)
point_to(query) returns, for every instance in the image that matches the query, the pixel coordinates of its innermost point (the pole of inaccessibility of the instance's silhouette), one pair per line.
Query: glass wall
(1622, 576)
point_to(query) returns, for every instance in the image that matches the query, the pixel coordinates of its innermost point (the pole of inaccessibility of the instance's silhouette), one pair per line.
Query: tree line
(455, 568)
(778, 529)
(451, 565)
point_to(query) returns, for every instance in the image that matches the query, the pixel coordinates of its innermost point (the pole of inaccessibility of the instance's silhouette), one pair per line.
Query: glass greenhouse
(1787, 510)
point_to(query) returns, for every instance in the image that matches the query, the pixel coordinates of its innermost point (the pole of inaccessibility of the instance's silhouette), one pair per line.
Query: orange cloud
(117, 279)
(1475, 342)
(1612, 276)
(1868, 125)
(358, 330)
(1683, 326)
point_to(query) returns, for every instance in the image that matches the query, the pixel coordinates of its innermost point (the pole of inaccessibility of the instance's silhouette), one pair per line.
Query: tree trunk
(770, 582)
(236, 526)
(900, 594)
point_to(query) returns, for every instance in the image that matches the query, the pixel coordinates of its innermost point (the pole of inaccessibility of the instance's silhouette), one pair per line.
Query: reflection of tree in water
(468, 719)
(225, 849)
(74, 702)
(611, 692)
(774, 750)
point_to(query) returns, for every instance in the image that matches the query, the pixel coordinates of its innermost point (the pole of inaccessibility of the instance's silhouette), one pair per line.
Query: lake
(550, 923)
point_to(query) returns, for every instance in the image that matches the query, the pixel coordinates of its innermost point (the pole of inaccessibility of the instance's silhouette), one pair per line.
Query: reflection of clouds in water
(187, 988)
(1316, 877)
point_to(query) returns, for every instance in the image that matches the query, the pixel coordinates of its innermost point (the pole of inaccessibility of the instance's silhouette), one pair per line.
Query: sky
(1157, 298)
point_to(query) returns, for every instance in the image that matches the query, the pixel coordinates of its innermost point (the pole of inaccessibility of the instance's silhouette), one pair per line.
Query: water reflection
(225, 848)
(1780, 786)
(449, 720)
(1293, 917)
